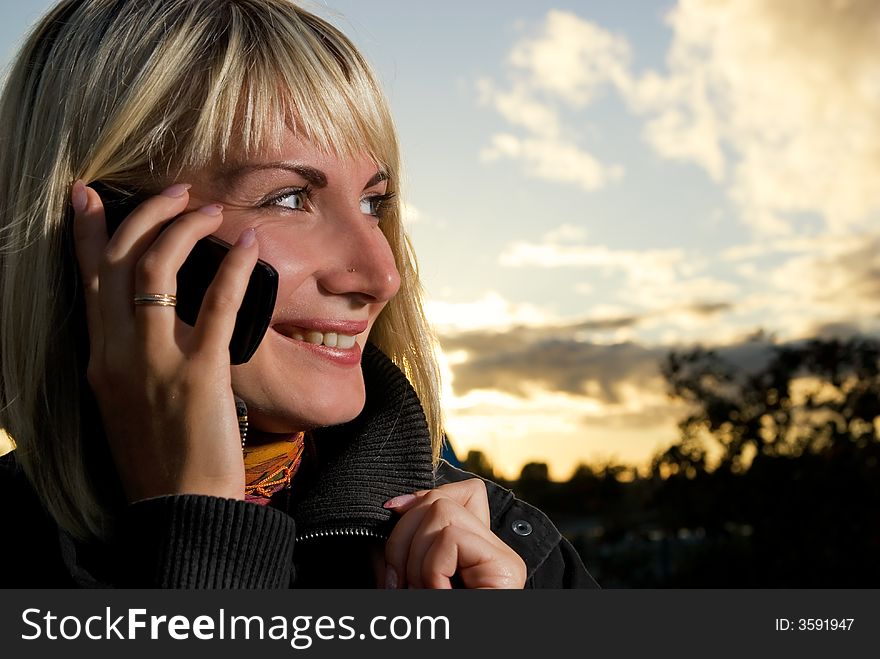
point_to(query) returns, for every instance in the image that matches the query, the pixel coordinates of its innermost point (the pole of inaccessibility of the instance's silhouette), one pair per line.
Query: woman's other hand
(163, 387)
(445, 532)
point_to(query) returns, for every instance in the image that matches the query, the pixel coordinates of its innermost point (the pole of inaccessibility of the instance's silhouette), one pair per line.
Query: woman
(260, 124)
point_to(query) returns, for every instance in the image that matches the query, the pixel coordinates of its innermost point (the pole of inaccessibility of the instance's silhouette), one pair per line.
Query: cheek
(289, 251)
(293, 259)
(374, 316)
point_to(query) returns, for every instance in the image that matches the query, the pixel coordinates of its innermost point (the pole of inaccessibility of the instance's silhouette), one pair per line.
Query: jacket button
(521, 527)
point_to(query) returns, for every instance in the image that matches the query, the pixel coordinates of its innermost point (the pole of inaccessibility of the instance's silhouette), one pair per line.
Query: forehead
(295, 154)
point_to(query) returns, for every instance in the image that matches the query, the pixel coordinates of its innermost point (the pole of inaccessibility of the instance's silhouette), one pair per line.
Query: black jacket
(318, 535)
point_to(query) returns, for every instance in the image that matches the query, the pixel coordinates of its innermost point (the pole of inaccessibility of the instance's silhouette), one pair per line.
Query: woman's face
(316, 217)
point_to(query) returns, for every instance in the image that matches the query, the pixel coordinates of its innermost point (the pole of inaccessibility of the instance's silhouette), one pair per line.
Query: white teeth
(330, 339)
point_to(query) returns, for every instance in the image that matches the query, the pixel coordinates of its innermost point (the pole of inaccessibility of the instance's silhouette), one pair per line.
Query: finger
(478, 563)
(408, 539)
(440, 562)
(435, 519)
(148, 216)
(216, 321)
(156, 271)
(453, 550)
(90, 240)
(125, 248)
(469, 493)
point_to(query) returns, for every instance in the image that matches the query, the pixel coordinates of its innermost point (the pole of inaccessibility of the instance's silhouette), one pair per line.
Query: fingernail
(211, 209)
(402, 500)
(390, 578)
(79, 198)
(247, 237)
(176, 190)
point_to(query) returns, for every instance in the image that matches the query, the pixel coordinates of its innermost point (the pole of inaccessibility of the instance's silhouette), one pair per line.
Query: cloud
(838, 283)
(856, 275)
(709, 308)
(550, 254)
(571, 59)
(561, 360)
(799, 286)
(653, 278)
(572, 367)
(550, 394)
(565, 65)
(777, 246)
(838, 330)
(776, 101)
(496, 320)
(779, 104)
(688, 135)
(520, 108)
(492, 311)
(560, 248)
(552, 159)
(543, 394)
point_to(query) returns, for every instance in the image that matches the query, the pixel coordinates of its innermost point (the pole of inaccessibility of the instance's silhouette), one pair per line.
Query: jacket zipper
(349, 531)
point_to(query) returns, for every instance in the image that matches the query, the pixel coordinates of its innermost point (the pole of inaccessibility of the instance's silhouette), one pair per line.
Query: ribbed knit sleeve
(195, 541)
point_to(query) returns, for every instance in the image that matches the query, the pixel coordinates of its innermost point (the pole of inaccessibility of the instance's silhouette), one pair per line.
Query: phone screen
(196, 275)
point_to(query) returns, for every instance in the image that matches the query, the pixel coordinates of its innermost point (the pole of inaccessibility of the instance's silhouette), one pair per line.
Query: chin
(295, 404)
(324, 413)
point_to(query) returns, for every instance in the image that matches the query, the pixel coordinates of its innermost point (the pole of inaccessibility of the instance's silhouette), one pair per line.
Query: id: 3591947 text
(814, 624)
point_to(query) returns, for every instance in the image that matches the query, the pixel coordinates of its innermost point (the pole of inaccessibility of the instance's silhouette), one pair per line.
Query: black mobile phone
(197, 273)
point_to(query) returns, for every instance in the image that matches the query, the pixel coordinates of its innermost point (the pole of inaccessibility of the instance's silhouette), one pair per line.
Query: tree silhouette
(478, 463)
(794, 498)
(773, 482)
(534, 472)
(809, 397)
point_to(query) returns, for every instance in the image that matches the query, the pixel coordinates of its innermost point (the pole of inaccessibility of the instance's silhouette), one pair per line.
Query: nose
(360, 261)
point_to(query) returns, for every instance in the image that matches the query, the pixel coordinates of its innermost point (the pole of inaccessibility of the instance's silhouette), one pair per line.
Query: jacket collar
(353, 468)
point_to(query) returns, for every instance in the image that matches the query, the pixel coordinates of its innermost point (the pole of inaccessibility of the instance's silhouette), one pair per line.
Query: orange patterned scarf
(269, 467)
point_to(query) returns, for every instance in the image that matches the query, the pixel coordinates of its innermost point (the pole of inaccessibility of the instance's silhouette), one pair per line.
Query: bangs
(264, 75)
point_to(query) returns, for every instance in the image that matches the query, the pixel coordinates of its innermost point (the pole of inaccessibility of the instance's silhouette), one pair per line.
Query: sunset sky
(592, 184)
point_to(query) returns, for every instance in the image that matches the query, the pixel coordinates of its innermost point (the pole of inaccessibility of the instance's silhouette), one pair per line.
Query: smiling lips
(329, 339)
(334, 339)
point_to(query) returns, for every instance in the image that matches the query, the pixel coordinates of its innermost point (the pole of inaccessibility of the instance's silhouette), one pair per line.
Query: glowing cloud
(778, 101)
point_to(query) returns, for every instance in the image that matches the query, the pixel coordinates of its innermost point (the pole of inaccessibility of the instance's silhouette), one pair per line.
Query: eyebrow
(315, 177)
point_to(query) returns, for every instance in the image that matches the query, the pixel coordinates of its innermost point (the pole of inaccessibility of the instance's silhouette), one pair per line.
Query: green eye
(294, 200)
(376, 205)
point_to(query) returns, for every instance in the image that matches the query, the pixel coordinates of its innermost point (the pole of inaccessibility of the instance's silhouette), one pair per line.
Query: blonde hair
(132, 93)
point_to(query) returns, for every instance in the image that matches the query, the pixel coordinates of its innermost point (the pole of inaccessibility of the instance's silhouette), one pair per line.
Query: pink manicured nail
(402, 500)
(79, 198)
(391, 582)
(247, 237)
(211, 209)
(176, 190)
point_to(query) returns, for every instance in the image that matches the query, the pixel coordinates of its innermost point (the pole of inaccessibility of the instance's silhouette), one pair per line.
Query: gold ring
(156, 299)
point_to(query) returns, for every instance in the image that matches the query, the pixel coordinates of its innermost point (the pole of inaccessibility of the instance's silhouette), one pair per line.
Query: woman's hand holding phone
(164, 388)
